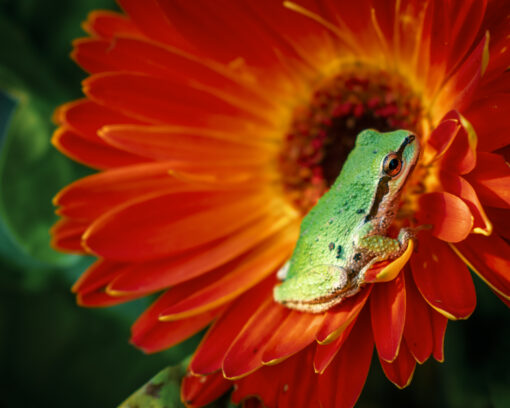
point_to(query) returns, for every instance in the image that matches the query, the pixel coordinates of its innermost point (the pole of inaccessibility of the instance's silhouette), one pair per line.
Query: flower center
(324, 131)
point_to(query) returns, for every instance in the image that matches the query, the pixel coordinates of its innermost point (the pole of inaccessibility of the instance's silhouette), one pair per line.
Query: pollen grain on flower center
(323, 132)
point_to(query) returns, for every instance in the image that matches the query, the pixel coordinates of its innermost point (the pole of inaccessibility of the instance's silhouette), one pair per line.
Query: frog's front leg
(382, 247)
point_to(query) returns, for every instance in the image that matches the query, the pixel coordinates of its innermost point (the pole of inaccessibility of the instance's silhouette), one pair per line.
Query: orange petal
(186, 144)
(296, 332)
(338, 318)
(160, 101)
(237, 276)
(245, 354)
(92, 196)
(197, 391)
(388, 311)
(439, 323)
(171, 223)
(152, 22)
(106, 24)
(210, 353)
(265, 384)
(491, 180)
(418, 326)
(144, 57)
(459, 187)
(488, 257)
(449, 216)
(301, 381)
(489, 117)
(98, 275)
(99, 156)
(342, 382)
(162, 335)
(99, 298)
(86, 117)
(443, 279)
(147, 328)
(325, 353)
(66, 235)
(400, 371)
(259, 43)
(155, 275)
(459, 89)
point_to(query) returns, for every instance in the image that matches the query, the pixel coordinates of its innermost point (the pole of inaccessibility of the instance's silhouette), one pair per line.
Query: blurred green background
(55, 354)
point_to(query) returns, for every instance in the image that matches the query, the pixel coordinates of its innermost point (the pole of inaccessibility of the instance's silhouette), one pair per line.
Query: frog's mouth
(324, 130)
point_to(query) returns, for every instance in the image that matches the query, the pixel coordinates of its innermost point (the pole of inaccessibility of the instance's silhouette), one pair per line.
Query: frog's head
(390, 158)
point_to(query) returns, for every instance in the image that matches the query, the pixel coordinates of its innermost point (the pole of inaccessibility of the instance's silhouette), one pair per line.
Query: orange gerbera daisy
(216, 125)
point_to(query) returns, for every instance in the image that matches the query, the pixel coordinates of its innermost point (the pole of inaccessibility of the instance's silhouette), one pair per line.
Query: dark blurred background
(56, 354)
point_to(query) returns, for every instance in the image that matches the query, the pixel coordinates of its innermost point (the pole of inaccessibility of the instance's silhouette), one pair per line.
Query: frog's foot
(317, 290)
(404, 236)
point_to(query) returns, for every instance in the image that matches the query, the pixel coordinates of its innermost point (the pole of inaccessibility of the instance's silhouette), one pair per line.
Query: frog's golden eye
(392, 164)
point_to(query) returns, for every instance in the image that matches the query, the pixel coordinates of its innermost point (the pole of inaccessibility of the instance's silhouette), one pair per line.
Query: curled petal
(458, 186)
(460, 158)
(443, 136)
(449, 216)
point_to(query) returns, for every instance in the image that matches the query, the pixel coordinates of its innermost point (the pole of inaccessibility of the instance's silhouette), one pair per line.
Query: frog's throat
(324, 303)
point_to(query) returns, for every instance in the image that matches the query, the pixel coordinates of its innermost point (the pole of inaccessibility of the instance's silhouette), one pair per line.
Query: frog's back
(327, 232)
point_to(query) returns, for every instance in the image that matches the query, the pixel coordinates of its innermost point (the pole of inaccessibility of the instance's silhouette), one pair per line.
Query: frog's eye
(392, 164)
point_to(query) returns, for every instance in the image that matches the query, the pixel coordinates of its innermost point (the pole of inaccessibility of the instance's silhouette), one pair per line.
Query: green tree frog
(345, 233)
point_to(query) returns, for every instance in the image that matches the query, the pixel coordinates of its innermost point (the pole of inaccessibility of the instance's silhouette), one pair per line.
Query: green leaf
(162, 391)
